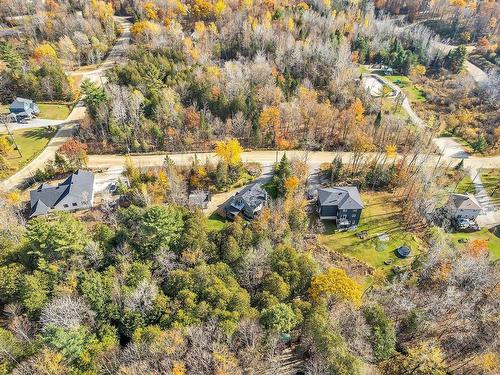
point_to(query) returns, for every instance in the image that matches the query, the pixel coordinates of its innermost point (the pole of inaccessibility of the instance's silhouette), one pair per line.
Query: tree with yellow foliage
(150, 11)
(358, 110)
(5, 146)
(102, 9)
(291, 185)
(44, 51)
(390, 151)
(335, 283)
(270, 121)
(229, 151)
(145, 31)
(219, 8)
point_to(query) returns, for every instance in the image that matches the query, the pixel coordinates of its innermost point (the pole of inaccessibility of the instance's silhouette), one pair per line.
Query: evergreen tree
(479, 145)
(282, 171)
(221, 175)
(456, 58)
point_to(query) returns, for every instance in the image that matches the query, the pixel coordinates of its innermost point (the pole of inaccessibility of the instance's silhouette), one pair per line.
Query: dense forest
(153, 290)
(144, 284)
(268, 75)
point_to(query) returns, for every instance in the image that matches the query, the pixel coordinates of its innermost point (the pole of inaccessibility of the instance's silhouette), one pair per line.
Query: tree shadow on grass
(39, 133)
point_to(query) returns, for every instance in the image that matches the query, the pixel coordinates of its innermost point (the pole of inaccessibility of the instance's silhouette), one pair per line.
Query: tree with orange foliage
(358, 110)
(145, 31)
(74, 152)
(478, 247)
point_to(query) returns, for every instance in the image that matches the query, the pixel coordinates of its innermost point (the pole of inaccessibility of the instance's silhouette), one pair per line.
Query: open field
(31, 142)
(465, 186)
(380, 215)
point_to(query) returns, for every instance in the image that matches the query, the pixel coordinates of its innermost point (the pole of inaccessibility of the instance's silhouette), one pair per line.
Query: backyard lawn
(483, 234)
(54, 111)
(31, 142)
(380, 216)
(215, 222)
(491, 182)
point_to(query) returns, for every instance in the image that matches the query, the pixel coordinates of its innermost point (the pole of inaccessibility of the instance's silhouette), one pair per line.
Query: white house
(463, 206)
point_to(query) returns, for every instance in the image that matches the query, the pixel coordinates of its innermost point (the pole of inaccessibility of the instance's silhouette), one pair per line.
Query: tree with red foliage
(74, 152)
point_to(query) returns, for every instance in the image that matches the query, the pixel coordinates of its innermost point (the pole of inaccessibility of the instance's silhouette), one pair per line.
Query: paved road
(266, 158)
(35, 123)
(449, 147)
(68, 126)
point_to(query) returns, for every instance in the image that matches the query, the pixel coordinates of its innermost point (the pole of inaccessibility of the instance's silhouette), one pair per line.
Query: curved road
(476, 73)
(68, 126)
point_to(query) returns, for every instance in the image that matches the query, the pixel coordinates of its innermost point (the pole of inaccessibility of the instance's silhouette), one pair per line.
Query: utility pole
(5, 121)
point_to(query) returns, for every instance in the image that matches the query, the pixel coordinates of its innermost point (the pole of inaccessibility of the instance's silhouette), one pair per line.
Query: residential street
(112, 165)
(68, 126)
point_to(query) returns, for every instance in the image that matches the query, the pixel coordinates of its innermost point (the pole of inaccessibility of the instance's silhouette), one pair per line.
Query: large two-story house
(341, 204)
(74, 193)
(247, 202)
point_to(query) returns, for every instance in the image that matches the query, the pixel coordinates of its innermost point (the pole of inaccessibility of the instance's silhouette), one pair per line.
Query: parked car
(465, 225)
(462, 223)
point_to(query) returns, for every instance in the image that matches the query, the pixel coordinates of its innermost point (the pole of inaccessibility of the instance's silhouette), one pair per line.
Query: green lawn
(31, 142)
(380, 215)
(484, 234)
(47, 111)
(414, 94)
(491, 182)
(465, 186)
(215, 222)
(54, 111)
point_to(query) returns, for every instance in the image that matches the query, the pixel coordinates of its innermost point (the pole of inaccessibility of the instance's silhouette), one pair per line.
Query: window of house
(65, 206)
(75, 204)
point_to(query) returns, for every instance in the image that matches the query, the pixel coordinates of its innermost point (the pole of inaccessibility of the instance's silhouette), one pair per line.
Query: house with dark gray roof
(341, 204)
(75, 193)
(24, 108)
(248, 202)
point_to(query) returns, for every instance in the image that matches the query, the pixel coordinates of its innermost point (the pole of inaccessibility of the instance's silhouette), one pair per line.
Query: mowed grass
(491, 182)
(483, 234)
(380, 215)
(414, 94)
(47, 111)
(31, 142)
(54, 111)
(465, 186)
(215, 222)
